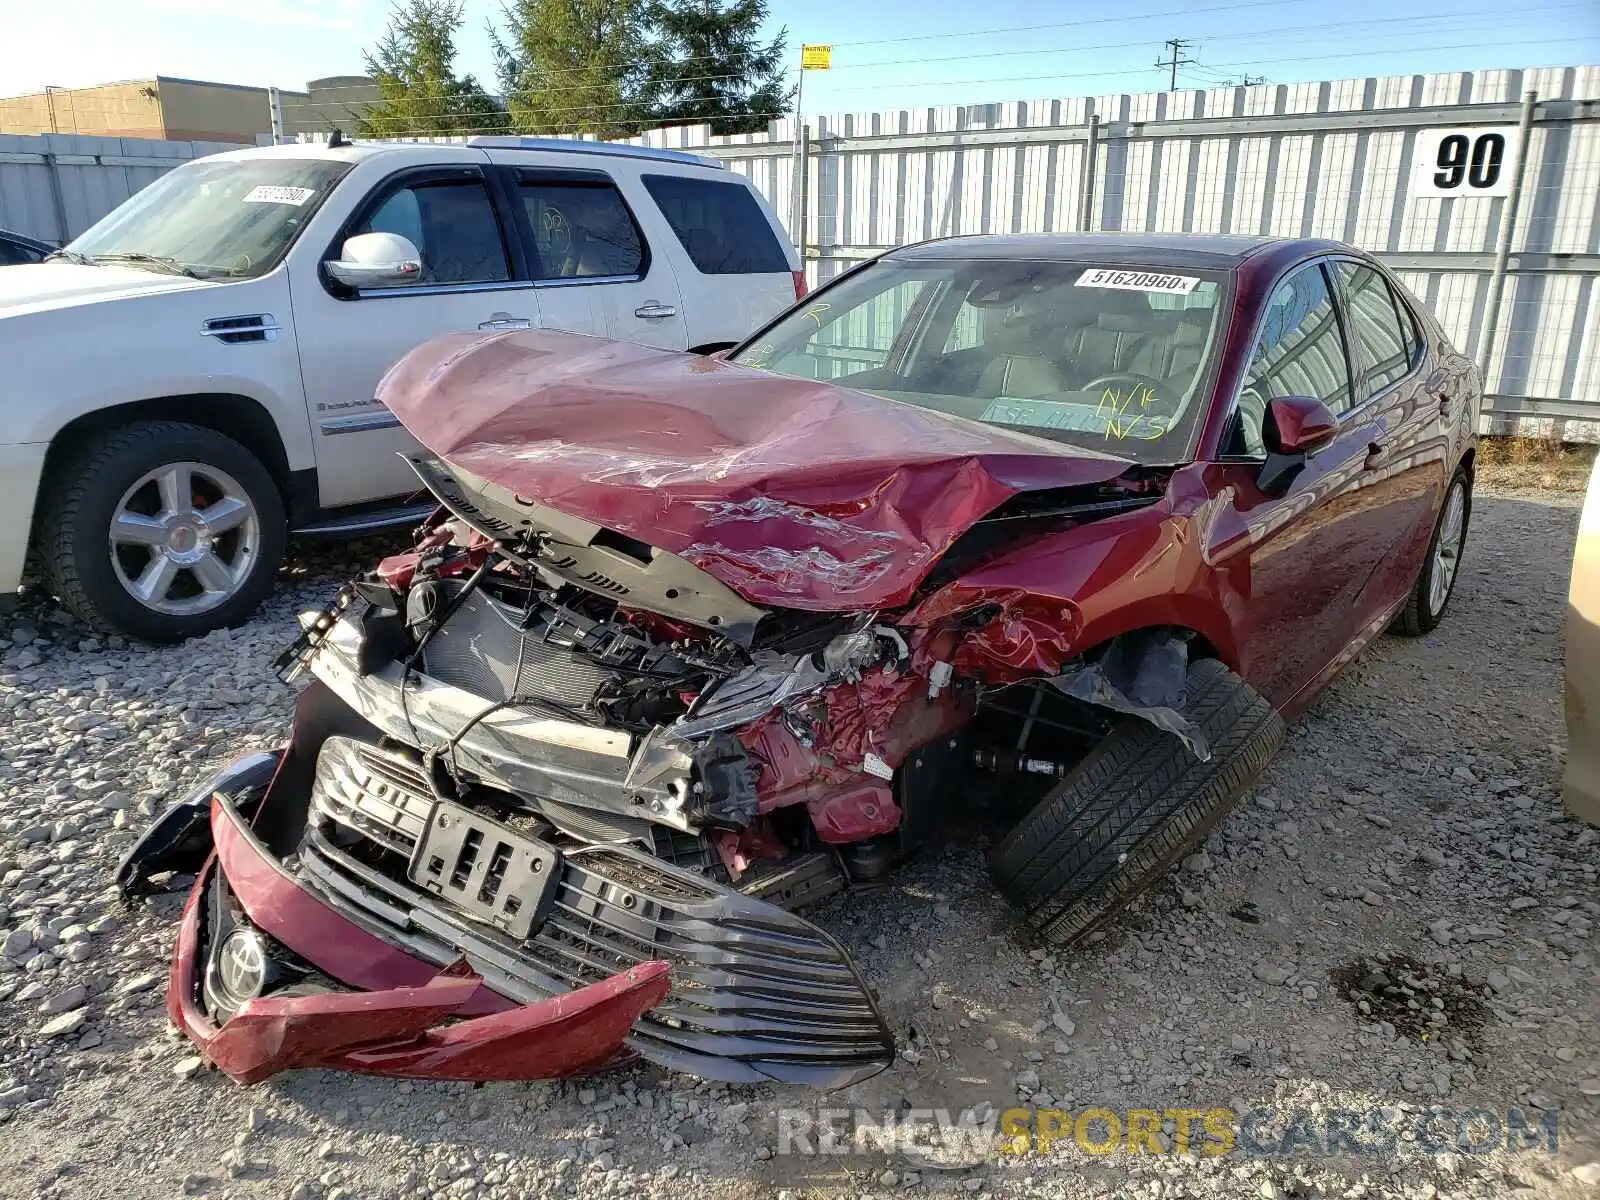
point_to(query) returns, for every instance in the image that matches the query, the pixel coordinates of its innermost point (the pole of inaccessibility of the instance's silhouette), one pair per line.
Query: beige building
(187, 109)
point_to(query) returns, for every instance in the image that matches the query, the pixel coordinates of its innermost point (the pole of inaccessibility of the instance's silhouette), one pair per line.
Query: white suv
(192, 379)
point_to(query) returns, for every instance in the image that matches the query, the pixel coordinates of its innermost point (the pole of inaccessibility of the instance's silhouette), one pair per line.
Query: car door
(1408, 450)
(471, 280)
(589, 258)
(1299, 558)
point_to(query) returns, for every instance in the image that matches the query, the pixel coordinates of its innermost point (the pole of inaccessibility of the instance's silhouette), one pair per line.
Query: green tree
(414, 67)
(573, 66)
(709, 64)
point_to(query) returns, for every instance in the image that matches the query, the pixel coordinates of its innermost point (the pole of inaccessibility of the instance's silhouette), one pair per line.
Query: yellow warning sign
(816, 58)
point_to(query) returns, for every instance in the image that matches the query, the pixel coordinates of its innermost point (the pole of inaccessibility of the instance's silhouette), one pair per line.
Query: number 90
(1475, 161)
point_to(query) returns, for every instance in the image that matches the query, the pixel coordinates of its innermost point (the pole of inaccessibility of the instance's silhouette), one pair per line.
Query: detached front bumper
(636, 957)
(408, 1028)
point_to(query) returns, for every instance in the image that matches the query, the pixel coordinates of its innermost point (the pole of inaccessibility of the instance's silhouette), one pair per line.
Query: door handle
(651, 310)
(1377, 455)
(1444, 403)
(501, 321)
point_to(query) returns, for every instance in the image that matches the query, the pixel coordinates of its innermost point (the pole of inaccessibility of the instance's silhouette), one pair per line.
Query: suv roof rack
(574, 146)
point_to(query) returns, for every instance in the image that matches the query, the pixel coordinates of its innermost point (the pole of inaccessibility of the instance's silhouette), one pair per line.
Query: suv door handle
(652, 310)
(1377, 455)
(501, 321)
(1444, 403)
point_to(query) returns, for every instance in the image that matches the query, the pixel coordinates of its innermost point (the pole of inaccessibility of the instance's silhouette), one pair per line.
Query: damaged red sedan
(1050, 532)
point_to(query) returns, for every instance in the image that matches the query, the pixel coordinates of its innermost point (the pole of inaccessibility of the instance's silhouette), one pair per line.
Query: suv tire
(162, 531)
(1135, 805)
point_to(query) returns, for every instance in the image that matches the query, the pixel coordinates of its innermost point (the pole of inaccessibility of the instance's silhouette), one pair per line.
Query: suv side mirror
(1294, 427)
(375, 260)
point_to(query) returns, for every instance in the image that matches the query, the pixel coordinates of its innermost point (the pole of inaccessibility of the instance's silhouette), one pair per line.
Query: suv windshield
(214, 218)
(1113, 358)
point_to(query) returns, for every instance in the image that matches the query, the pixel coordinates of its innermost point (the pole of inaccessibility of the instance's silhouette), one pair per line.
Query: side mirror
(376, 260)
(1294, 427)
(1299, 425)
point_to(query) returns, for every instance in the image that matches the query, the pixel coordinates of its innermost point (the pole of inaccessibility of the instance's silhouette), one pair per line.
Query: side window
(1301, 352)
(720, 225)
(1386, 338)
(581, 230)
(452, 224)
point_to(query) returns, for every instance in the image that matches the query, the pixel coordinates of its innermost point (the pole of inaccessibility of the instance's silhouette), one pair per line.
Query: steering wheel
(1120, 379)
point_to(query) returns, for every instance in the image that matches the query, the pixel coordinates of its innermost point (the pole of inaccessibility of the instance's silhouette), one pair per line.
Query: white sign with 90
(1464, 162)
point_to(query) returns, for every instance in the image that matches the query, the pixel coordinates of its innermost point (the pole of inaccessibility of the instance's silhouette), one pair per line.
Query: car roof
(1214, 251)
(471, 151)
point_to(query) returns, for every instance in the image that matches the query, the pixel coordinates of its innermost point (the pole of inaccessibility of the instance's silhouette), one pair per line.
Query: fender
(1029, 611)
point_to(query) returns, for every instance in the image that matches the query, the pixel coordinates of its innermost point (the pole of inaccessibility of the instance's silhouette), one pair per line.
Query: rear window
(720, 225)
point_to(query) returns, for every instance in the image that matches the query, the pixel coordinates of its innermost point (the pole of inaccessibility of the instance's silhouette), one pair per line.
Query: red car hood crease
(792, 492)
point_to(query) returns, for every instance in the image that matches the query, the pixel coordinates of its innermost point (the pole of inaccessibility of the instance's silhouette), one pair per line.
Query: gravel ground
(1406, 855)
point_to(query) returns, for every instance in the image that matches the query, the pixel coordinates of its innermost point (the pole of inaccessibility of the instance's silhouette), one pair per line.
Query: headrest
(1124, 322)
(1189, 334)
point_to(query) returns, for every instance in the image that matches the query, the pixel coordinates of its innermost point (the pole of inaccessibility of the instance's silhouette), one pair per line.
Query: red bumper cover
(397, 1026)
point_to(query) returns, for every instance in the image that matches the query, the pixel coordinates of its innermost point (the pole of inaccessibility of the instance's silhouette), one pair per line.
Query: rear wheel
(162, 531)
(1137, 803)
(1436, 582)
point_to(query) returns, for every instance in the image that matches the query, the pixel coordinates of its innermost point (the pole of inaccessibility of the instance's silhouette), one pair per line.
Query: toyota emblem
(241, 965)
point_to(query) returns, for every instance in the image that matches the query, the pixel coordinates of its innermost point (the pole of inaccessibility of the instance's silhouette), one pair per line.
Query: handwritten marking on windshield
(1123, 420)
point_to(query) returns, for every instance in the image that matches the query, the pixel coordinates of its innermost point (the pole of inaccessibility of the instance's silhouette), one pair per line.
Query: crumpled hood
(792, 492)
(33, 287)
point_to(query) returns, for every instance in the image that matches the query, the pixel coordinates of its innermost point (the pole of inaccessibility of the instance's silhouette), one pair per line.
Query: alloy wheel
(183, 538)
(1447, 548)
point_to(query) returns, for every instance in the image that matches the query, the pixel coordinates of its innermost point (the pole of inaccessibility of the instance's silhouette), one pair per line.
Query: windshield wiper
(71, 256)
(137, 257)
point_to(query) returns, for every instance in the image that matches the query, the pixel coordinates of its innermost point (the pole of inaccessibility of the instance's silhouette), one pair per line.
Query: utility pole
(1175, 45)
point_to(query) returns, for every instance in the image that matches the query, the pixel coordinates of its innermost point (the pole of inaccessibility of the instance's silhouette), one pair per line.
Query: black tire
(1135, 805)
(73, 546)
(1421, 614)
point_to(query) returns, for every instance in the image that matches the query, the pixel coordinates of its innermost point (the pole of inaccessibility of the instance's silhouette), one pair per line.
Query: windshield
(214, 217)
(1115, 359)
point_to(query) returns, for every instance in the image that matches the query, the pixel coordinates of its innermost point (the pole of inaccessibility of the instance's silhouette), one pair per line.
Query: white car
(193, 378)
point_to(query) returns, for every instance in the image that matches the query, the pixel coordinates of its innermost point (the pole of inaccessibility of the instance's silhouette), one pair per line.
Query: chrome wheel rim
(184, 538)
(1447, 548)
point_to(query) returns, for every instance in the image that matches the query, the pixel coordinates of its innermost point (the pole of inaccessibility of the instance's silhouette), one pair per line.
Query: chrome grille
(758, 993)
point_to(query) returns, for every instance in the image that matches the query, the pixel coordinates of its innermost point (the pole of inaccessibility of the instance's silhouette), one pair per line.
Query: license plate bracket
(498, 876)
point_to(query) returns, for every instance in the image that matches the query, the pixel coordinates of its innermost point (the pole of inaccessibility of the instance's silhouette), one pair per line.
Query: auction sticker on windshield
(267, 193)
(1138, 281)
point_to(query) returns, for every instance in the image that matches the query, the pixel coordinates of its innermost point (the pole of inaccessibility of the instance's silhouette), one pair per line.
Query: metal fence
(55, 185)
(1330, 159)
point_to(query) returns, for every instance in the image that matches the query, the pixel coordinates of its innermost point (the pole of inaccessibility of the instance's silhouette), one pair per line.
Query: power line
(1175, 45)
(1255, 62)
(925, 37)
(1184, 44)
(1450, 21)
(1187, 11)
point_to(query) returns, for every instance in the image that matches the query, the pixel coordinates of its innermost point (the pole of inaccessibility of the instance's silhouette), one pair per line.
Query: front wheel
(162, 531)
(1136, 804)
(1436, 582)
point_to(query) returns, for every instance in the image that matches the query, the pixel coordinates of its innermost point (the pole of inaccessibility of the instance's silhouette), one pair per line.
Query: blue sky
(888, 54)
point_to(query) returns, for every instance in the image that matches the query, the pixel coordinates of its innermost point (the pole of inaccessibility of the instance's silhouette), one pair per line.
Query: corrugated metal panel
(54, 186)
